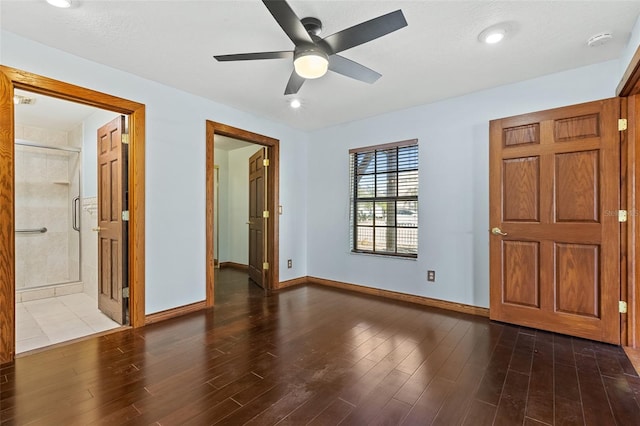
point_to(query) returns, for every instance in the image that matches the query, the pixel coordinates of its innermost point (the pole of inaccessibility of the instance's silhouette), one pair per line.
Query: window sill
(388, 256)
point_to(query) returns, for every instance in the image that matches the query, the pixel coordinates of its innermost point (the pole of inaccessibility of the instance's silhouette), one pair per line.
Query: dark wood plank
(511, 407)
(540, 398)
(338, 357)
(624, 406)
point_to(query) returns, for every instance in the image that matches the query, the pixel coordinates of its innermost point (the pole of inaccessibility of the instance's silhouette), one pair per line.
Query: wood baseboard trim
(175, 312)
(293, 282)
(420, 300)
(234, 265)
(634, 356)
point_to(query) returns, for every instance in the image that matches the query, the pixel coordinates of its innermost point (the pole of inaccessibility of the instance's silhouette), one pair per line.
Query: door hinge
(265, 162)
(622, 124)
(622, 307)
(125, 138)
(265, 214)
(265, 265)
(125, 293)
(622, 215)
(125, 215)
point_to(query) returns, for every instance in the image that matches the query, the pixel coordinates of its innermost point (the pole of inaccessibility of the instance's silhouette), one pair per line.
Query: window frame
(354, 200)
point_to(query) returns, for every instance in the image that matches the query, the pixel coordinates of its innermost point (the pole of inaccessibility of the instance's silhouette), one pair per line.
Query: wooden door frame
(10, 79)
(273, 184)
(629, 90)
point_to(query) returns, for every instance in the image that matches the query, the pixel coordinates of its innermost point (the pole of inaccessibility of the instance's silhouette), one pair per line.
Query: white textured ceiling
(436, 57)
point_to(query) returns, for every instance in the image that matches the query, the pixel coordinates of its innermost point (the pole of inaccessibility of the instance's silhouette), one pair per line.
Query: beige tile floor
(44, 322)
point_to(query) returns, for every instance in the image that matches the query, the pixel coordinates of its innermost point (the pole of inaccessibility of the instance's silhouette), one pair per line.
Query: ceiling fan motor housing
(312, 25)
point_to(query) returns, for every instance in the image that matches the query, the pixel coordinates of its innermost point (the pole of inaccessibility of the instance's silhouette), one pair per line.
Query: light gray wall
(221, 159)
(454, 204)
(175, 167)
(630, 50)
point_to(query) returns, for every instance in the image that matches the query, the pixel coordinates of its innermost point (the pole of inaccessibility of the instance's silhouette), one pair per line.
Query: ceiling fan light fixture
(295, 103)
(60, 3)
(311, 63)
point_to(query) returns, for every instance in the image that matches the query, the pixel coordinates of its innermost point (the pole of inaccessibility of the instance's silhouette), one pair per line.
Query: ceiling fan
(312, 55)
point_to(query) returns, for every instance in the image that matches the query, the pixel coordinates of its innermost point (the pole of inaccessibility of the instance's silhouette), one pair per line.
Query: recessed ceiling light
(60, 3)
(295, 103)
(493, 34)
(494, 37)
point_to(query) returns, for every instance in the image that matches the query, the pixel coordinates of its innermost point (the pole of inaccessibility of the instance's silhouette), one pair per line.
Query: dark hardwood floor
(322, 356)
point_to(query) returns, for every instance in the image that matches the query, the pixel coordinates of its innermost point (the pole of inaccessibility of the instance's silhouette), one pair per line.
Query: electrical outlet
(289, 264)
(431, 276)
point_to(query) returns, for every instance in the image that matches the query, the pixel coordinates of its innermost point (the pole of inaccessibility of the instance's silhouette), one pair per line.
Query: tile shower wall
(43, 199)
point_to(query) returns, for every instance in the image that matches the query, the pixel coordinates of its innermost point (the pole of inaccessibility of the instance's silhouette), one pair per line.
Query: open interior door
(112, 229)
(554, 200)
(257, 222)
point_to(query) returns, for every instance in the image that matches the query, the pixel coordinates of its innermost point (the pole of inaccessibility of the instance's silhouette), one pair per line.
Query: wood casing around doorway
(273, 199)
(11, 78)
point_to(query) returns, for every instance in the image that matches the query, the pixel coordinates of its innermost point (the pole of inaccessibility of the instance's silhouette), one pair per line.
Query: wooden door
(112, 230)
(554, 194)
(257, 206)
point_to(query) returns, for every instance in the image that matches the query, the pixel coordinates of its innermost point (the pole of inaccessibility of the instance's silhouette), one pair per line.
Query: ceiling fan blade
(352, 69)
(294, 84)
(366, 31)
(254, 56)
(288, 20)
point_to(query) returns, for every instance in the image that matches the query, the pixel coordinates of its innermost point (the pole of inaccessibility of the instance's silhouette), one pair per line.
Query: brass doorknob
(98, 229)
(498, 231)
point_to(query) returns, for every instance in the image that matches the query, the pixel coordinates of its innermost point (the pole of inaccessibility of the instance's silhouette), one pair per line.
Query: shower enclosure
(47, 203)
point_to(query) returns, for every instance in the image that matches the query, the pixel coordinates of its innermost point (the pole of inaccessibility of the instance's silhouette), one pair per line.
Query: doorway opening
(56, 208)
(12, 80)
(239, 200)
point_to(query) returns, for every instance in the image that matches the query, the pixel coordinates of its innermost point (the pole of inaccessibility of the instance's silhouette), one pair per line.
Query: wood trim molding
(634, 356)
(293, 282)
(420, 300)
(7, 222)
(632, 295)
(630, 83)
(175, 312)
(273, 200)
(11, 78)
(234, 265)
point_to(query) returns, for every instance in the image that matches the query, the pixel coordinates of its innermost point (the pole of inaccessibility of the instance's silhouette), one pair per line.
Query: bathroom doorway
(56, 211)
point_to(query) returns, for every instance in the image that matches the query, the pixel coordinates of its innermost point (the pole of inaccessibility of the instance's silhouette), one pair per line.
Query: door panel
(112, 230)
(521, 202)
(554, 195)
(256, 220)
(521, 280)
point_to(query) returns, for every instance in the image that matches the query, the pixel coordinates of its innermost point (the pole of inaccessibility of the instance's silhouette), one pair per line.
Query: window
(384, 199)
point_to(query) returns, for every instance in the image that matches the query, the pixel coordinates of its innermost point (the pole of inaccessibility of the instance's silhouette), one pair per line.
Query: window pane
(386, 160)
(408, 158)
(386, 184)
(407, 214)
(365, 162)
(364, 239)
(364, 213)
(385, 212)
(366, 186)
(408, 184)
(386, 239)
(407, 240)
